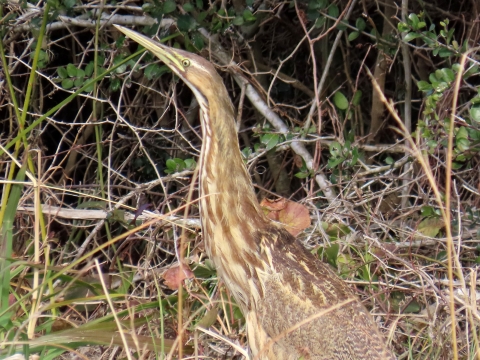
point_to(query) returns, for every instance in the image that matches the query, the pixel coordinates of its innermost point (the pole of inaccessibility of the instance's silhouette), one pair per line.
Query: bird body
(295, 306)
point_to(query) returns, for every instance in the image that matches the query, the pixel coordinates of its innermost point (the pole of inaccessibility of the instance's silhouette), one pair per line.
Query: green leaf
(78, 82)
(121, 69)
(188, 7)
(186, 23)
(171, 164)
(413, 307)
(415, 20)
(199, 4)
(421, 25)
(461, 158)
(302, 175)
(248, 16)
(402, 27)
(180, 164)
(333, 163)
(200, 17)
(69, 3)
(67, 84)
(217, 26)
(333, 11)
(169, 6)
(426, 211)
(335, 148)
(462, 144)
(441, 86)
(238, 21)
(360, 24)
(80, 73)
(320, 22)
(462, 133)
(355, 157)
(332, 254)
(475, 113)
(432, 143)
(115, 84)
(357, 97)
(88, 89)
(270, 140)
(154, 71)
(424, 86)
(410, 36)
(448, 75)
(431, 226)
(89, 69)
(472, 71)
(353, 35)
(148, 8)
(389, 160)
(71, 70)
(456, 166)
(317, 4)
(100, 59)
(433, 78)
(444, 52)
(246, 152)
(197, 41)
(62, 72)
(190, 164)
(340, 101)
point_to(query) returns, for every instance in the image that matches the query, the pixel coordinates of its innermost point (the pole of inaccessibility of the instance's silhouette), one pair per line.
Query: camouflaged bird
(295, 306)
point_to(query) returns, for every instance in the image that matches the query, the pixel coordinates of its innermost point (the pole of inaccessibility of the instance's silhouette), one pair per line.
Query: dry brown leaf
(274, 205)
(175, 275)
(298, 161)
(294, 216)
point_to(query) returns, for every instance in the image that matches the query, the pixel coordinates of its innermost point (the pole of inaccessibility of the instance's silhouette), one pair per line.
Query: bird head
(199, 74)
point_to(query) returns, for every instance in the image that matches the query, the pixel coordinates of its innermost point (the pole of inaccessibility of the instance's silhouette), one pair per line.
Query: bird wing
(307, 310)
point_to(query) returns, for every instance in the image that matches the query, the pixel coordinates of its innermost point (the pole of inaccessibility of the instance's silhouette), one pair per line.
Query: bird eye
(186, 62)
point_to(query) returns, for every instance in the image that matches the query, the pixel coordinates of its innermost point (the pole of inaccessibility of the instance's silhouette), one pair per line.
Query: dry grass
(93, 218)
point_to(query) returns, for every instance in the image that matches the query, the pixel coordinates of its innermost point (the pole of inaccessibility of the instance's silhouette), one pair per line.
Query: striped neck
(228, 197)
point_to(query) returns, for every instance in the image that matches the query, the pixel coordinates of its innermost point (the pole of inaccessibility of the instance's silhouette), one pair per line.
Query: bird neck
(231, 215)
(228, 197)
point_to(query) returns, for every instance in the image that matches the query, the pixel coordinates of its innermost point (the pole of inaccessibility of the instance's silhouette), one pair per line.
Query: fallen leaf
(294, 216)
(274, 205)
(175, 275)
(298, 161)
(431, 226)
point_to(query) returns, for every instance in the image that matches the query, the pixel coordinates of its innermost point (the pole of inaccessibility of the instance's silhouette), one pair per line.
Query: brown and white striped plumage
(295, 305)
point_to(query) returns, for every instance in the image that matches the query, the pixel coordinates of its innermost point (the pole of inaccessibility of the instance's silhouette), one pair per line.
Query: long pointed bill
(163, 52)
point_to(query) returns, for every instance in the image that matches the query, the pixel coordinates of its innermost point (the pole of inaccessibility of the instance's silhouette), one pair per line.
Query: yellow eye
(186, 63)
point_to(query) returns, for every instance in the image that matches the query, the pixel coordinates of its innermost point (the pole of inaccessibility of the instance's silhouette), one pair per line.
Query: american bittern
(295, 306)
